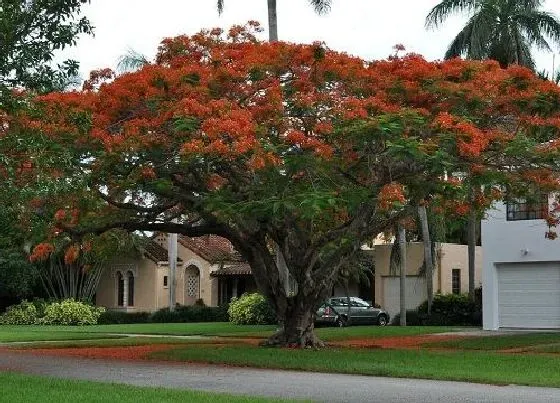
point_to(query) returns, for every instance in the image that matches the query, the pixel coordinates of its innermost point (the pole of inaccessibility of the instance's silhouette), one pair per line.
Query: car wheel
(382, 320)
(340, 322)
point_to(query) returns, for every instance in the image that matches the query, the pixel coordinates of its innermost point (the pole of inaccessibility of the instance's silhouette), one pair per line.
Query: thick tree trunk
(428, 260)
(272, 21)
(297, 325)
(472, 251)
(402, 248)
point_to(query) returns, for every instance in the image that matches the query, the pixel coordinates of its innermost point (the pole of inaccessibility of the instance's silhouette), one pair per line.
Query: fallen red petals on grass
(396, 342)
(117, 353)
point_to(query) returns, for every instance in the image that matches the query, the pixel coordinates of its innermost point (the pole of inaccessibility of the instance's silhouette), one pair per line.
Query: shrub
(194, 313)
(413, 318)
(70, 312)
(452, 310)
(251, 309)
(120, 318)
(24, 313)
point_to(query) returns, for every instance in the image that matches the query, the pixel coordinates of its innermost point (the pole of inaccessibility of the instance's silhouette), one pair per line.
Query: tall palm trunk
(272, 21)
(428, 260)
(402, 248)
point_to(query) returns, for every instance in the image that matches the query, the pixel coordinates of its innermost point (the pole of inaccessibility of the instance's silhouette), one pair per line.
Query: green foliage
(30, 33)
(120, 318)
(70, 312)
(451, 309)
(194, 313)
(67, 312)
(251, 309)
(24, 313)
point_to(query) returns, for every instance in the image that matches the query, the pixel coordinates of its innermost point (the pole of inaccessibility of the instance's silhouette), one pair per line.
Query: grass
(502, 342)
(470, 366)
(217, 329)
(223, 329)
(25, 333)
(34, 389)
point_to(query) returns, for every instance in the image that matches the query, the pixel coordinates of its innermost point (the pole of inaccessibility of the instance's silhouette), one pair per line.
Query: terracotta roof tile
(241, 269)
(212, 248)
(156, 253)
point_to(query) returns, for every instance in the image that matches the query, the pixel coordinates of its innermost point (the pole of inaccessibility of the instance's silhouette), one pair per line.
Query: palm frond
(321, 6)
(220, 6)
(439, 13)
(473, 39)
(549, 25)
(131, 61)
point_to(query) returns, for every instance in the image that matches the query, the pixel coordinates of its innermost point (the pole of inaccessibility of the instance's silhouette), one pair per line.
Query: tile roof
(156, 253)
(241, 269)
(211, 248)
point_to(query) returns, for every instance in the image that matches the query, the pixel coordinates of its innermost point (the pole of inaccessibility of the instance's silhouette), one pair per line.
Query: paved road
(257, 382)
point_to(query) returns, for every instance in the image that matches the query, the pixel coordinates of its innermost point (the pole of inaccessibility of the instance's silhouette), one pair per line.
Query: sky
(365, 28)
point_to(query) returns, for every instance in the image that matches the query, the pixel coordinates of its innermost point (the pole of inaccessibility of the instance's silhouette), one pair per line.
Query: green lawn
(219, 329)
(470, 366)
(501, 342)
(25, 333)
(34, 389)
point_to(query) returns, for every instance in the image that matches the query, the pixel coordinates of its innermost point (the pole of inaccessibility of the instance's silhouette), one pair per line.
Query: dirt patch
(117, 353)
(397, 342)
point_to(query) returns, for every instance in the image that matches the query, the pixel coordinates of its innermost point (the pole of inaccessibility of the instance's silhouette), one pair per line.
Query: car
(334, 311)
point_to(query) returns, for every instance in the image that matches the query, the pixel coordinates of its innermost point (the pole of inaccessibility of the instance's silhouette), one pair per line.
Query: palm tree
(502, 30)
(320, 6)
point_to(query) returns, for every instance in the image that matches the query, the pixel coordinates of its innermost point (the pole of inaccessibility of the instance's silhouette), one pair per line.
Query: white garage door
(529, 295)
(415, 293)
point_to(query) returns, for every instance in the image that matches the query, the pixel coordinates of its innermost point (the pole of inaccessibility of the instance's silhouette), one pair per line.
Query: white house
(521, 268)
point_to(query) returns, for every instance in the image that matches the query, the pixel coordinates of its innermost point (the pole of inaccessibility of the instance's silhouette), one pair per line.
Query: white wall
(505, 242)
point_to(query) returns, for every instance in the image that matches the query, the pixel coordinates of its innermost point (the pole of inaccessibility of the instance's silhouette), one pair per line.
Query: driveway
(259, 382)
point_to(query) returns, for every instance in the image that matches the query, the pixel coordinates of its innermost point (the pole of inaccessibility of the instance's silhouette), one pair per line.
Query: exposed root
(306, 339)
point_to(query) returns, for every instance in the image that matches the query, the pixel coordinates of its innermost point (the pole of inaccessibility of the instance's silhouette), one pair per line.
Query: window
(130, 277)
(120, 289)
(523, 209)
(456, 281)
(165, 279)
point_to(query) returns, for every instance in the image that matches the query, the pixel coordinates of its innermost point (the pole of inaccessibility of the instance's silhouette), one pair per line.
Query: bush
(121, 318)
(452, 310)
(24, 313)
(194, 313)
(70, 312)
(413, 318)
(251, 309)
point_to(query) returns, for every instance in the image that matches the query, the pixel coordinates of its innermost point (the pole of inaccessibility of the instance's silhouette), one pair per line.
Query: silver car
(335, 311)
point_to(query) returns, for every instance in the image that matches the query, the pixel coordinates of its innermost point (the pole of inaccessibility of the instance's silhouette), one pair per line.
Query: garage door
(415, 293)
(529, 295)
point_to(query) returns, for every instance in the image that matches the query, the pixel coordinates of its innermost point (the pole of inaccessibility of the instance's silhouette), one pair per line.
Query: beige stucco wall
(455, 256)
(414, 259)
(144, 285)
(450, 256)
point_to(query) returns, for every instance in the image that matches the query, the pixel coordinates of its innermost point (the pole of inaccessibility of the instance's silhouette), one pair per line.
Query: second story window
(528, 209)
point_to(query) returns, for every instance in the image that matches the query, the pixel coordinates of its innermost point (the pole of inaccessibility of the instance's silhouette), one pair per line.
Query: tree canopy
(264, 143)
(30, 33)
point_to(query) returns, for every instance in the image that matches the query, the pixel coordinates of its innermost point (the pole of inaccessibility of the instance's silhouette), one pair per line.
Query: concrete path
(258, 382)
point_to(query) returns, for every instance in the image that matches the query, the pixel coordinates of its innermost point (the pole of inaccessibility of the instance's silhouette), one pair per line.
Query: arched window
(130, 277)
(120, 289)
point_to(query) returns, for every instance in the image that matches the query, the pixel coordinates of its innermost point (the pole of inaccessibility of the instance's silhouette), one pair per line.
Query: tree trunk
(298, 324)
(472, 251)
(402, 248)
(428, 260)
(272, 21)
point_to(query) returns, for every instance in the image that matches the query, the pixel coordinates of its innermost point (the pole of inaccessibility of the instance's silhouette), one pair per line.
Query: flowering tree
(265, 143)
